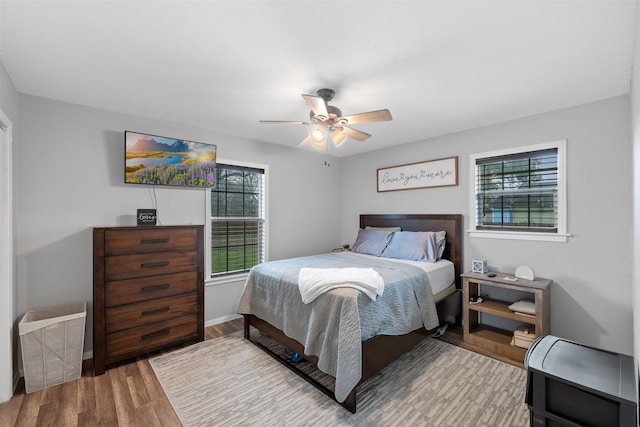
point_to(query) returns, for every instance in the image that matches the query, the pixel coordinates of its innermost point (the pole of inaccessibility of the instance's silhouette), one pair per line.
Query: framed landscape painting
(158, 160)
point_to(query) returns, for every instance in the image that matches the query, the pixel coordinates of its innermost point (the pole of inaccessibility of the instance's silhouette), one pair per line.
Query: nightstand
(493, 341)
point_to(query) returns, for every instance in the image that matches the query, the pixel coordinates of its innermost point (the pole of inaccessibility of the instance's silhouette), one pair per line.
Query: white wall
(591, 294)
(69, 166)
(9, 97)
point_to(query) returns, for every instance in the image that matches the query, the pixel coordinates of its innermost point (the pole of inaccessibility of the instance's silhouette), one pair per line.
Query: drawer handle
(156, 334)
(155, 288)
(156, 311)
(152, 241)
(155, 264)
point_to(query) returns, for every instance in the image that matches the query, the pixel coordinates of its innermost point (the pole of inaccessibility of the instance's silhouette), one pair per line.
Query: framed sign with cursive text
(432, 173)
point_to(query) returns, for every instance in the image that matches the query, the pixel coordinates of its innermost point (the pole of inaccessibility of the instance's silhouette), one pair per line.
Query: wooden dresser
(148, 290)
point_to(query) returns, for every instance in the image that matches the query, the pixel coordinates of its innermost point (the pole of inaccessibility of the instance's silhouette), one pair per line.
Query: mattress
(441, 273)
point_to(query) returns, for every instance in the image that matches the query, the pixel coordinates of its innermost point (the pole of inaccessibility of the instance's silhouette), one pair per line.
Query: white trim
(207, 234)
(519, 235)
(222, 319)
(561, 235)
(209, 281)
(227, 279)
(6, 261)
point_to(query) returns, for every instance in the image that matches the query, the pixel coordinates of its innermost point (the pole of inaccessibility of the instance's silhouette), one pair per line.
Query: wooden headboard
(451, 223)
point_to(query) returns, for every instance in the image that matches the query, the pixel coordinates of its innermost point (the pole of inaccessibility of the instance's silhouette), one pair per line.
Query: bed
(344, 332)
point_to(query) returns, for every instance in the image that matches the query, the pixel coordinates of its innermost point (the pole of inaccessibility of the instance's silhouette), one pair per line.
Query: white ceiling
(438, 66)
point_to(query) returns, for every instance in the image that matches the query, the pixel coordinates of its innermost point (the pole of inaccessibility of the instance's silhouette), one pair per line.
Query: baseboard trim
(222, 319)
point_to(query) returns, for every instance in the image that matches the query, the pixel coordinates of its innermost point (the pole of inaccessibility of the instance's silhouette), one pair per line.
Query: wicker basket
(52, 343)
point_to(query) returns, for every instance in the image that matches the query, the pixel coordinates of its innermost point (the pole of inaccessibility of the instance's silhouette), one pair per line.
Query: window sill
(520, 235)
(225, 280)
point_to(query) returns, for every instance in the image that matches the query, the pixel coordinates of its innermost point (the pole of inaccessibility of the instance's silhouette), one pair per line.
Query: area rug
(230, 381)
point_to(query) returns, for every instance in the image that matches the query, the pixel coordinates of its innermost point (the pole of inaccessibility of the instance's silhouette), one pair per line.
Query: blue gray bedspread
(335, 324)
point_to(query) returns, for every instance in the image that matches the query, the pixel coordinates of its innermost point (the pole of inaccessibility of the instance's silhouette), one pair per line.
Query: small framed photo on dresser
(146, 217)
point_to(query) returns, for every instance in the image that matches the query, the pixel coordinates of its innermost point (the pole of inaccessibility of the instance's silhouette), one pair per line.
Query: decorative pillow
(371, 242)
(414, 246)
(368, 227)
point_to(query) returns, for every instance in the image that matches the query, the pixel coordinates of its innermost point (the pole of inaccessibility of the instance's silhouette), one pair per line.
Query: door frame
(7, 260)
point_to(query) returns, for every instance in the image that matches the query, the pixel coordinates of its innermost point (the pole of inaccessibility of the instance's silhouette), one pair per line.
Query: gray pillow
(415, 246)
(371, 242)
(441, 241)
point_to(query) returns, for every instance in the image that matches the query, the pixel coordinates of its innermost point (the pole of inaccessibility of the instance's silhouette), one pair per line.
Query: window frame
(561, 234)
(239, 276)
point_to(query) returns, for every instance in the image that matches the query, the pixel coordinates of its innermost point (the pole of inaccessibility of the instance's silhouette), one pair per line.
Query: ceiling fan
(329, 120)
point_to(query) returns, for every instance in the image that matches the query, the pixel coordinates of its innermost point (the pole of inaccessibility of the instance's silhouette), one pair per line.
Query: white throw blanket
(312, 282)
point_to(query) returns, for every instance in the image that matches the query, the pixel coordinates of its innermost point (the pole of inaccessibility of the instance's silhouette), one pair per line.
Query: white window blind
(518, 191)
(237, 219)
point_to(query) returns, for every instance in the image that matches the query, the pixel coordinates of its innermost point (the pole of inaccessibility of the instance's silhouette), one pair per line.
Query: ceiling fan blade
(308, 140)
(354, 133)
(338, 137)
(311, 140)
(317, 105)
(371, 116)
(287, 122)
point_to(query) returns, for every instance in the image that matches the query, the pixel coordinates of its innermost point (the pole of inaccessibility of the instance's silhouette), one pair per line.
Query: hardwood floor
(126, 395)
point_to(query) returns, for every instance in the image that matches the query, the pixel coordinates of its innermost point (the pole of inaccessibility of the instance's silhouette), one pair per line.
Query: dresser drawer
(156, 310)
(141, 289)
(150, 264)
(119, 242)
(141, 340)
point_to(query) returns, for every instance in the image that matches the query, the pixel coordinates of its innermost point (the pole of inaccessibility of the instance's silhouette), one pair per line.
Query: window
(520, 193)
(237, 219)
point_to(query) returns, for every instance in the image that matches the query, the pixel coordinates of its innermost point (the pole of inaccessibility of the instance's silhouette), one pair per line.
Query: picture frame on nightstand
(479, 266)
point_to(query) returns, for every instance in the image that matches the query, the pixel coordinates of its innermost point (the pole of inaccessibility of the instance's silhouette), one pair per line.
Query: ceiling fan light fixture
(328, 121)
(318, 134)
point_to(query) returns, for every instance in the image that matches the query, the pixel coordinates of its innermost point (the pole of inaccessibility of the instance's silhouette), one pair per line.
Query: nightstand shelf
(501, 308)
(495, 341)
